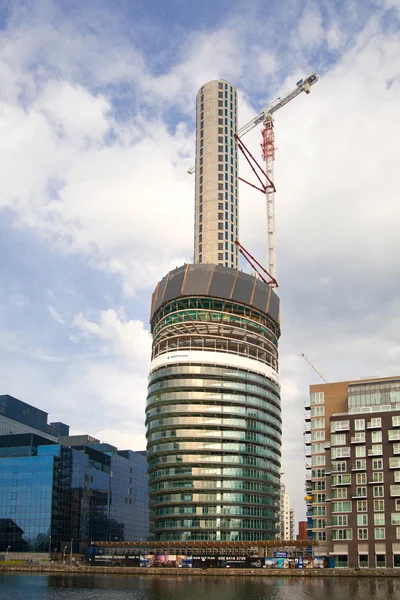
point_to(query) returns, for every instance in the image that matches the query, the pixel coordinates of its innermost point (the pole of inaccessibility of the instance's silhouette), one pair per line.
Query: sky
(97, 104)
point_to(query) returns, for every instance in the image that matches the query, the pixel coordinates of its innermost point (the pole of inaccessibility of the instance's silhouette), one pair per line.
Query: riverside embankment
(176, 572)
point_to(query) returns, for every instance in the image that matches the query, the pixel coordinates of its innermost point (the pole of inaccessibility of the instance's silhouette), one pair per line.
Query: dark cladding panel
(174, 284)
(222, 282)
(243, 288)
(161, 289)
(273, 309)
(198, 280)
(261, 295)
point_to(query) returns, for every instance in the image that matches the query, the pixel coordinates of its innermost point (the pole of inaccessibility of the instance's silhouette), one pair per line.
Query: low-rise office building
(58, 493)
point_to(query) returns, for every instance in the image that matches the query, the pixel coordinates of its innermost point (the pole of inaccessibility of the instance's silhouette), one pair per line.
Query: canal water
(122, 587)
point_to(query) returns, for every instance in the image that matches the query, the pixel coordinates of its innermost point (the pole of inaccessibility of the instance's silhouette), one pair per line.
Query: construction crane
(314, 366)
(268, 154)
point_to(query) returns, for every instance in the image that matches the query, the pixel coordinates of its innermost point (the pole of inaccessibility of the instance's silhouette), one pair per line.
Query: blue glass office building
(75, 488)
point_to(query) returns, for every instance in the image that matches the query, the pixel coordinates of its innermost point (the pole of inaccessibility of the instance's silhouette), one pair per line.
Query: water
(124, 587)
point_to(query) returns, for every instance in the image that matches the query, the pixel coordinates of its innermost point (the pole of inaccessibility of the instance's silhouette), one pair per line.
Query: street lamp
(64, 553)
(70, 554)
(7, 549)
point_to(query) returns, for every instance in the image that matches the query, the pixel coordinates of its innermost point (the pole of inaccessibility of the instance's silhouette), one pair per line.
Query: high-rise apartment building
(213, 409)
(284, 516)
(353, 480)
(216, 197)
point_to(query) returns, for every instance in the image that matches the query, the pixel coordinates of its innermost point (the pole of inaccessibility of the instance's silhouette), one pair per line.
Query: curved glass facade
(213, 428)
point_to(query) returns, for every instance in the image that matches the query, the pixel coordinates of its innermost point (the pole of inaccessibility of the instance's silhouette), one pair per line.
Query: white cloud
(94, 164)
(55, 315)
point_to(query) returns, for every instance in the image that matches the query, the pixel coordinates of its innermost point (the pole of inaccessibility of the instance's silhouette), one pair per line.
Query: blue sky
(97, 133)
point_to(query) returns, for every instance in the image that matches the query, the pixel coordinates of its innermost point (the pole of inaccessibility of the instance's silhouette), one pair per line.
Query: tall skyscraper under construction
(213, 409)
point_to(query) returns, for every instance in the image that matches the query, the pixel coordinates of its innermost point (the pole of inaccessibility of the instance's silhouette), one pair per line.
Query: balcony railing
(357, 440)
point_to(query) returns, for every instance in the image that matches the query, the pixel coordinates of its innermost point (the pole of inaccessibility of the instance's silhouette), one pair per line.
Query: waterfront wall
(201, 572)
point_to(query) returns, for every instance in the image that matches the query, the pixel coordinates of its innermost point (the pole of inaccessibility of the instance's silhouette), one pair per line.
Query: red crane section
(258, 268)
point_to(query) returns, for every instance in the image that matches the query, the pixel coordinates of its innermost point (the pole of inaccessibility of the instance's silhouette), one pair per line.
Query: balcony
(358, 467)
(359, 496)
(375, 451)
(358, 440)
(374, 424)
(328, 499)
(307, 416)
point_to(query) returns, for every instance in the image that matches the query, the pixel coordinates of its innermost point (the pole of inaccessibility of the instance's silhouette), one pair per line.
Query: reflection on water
(122, 587)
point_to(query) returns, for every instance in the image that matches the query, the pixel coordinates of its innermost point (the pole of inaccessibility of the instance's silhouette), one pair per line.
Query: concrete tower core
(213, 412)
(216, 195)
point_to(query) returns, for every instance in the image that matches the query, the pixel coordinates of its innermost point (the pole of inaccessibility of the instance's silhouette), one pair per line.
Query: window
(340, 521)
(360, 451)
(361, 465)
(395, 490)
(317, 398)
(362, 520)
(376, 437)
(340, 426)
(362, 534)
(343, 452)
(319, 511)
(377, 477)
(393, 434)
(395, 518)
(220, 236)
(359, 424)
(338, 439)
(377, 464)
(359, 437)
(380, 560)
(342, 534)
(317, 436)
(341, 507)
(318, 460)
(317, 423)
(375, 449)
(394, 462)
(378, 491)
(379, 518)
(339, 466)
(396, 421)
(220, 256)
(341, 479)
(317, 411)
(379, 533)
(379, 505)
(361, 478)
(361, 491)
(375, 422)
(362, 506)
(396, 448)
(398, 533)
(320, 536)
(317, 448)
(339, 493)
